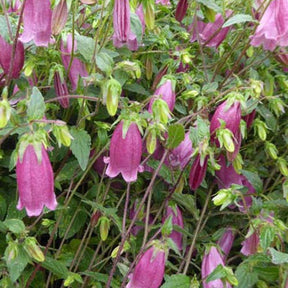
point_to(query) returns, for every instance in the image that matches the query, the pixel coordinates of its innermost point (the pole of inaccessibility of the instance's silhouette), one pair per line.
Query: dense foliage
(143, 143)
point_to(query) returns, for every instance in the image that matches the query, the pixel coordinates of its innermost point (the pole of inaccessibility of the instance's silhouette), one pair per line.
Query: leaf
(210, 88)
(179, 281)
(36, 105)
(80, 146)
(104, 62)
(85, 46)
(188, 202)
(136, 26)
(239, 18)
(102, 278)
(246, 277)
(136, 88)
(176, 135)
(56, 267)
(3, 28)
(164, 172)
(278, 258)
(270, 120)
(210, 4)
(16, 226)
(266, 236)
(254, 179)
(217, 273)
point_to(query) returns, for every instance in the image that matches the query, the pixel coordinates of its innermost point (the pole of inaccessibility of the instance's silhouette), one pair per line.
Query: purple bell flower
(121, 23)
(37, 22)
(149, 271)
(35, 182)
(226, 241)
(197, 172)
(59, 17)
(250, 244)
(181, 10)
(61, 90)
(273, 28)
(125, 153)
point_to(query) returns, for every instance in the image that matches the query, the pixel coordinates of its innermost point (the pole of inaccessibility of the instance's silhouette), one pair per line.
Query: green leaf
(104, 62)
(270, 120)
(267, 236)
(278, 258)
(179, 281)
(239, 18)
(176, 135)
(246, 277)
(211, 5)
(136, 26)
(217, 273)
(85, 46)
(36, 105)
(188, 202)
(210, 88)
(80, 146)
(56, 267)
(16, 226)
(3, 28)
(254, 179)
(103, 278)
(164, 172)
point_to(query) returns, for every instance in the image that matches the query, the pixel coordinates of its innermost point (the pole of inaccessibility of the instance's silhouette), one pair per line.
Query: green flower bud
(285, 189)
(62, 135)
(11, 251)
(161, 111)
(277, 105)
(104, 227)
(111, 93)
(149, 67)
(237, 163)
(250, 51)
(224, 197)
(151, 141)
(271, 150)
(282, 165)
(256, 87)
(261, 129)
(125, 248)
(149, 15)
(31, 247)
(225, 137)
(5, 113)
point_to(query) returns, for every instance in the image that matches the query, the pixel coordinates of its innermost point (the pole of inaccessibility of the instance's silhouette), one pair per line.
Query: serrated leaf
(278, 258)
(246, 278)
(217, 273)
(102, 278)
(80, 146)
(266, 236)
(16, 226)
(188, 202)
(164, 172)
(36, 105)
(136, 26)
(104, 62)
(210, 88)
(270, 120)
(237, 19)
(211, 5)
(85, 46)
(254, 179)
(179, 281)
(176, 135)
(56, 267)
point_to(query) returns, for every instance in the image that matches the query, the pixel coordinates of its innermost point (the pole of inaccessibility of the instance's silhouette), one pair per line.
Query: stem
(125, 210)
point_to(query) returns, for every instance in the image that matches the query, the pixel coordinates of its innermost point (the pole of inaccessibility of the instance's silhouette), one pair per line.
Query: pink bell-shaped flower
(211, 260)
(61, 90)
(5, 57)
(125, 153)
(166, 92)
(149, 271)
(197, 172)
(59, 17)
(226, 241)
(77, 68)
(181, 10)
(181, 155)
(250, 244)
(273, 28)
(35, 182)
(177, 220)
(37, 22)
(121, 23)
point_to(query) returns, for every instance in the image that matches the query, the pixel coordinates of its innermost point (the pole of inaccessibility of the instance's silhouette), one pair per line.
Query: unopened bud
(111, 93)
(62, 135)
(149, 15)
(224, 197)
(149, 67)
(237, 163)
(151, 141)
(161, 111)
(261, 129)
(250, 51)
(225, 137)
(125, 248)
(256, 87)
(33, 250)
(282, 165)
(131, 68)
(277, 105)
(271, 150)
(285, 189)
(95, 218)
(11, 251)
(5, 113)
(104, 227)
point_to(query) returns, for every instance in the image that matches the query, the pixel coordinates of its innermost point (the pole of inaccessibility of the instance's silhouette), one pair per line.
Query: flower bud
(161, 111)
(149, 67)
(181, 10)
(111, 93)
(197, 172)
(11, 251)
(271, 150)
(62, 135)
(131, 68)
(225, 138)
(5, 113)
(250, 245)
(61, 89)
(149, 14)
(282, 165)
(285, 189)
(224, 197)
(226, 241)
(261, 129)
(59, 17)
(257, 87)
(151, 141)
(33, 250)
(277, 105)
(104, 227)
(95, 218)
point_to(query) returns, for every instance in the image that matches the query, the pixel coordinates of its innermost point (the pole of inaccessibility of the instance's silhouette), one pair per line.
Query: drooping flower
(211, 260)
(35, 182)
(273, 27)
(61, 90)
(211, 34)
(121, 23)
(181, 10)
(181, 155)
(125, 153)
(140, 13)
(14, 5)
(59, 17)
(5, 57)
(197, 172)
(177, 220)
(37, 22)
(77, 68)
(226, 241)
(250, 244)
(166, 92)
(149, 271)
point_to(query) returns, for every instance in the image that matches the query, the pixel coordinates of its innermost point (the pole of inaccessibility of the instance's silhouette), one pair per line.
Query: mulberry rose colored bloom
(59, 17)
(273, 28)
(209, 263)
(61, 90)
(250, 244)
(149, 271)
(77, 68)
(226, 242)
(197, 172)
(35, 182)
(181, 10)
(121, 23)
(5, 57)
(37, 19)
(125, 153)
